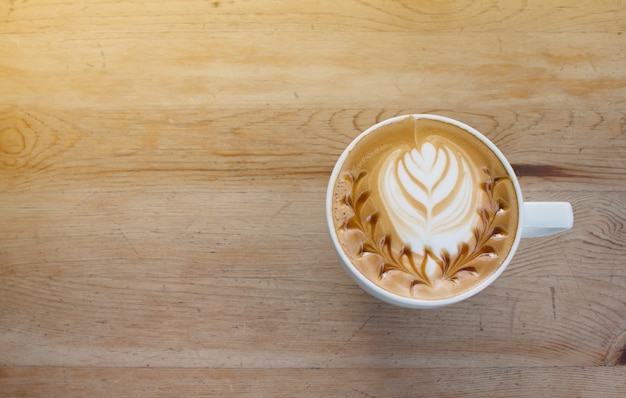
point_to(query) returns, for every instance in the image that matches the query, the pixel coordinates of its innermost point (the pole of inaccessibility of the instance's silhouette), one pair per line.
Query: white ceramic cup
(536, 219)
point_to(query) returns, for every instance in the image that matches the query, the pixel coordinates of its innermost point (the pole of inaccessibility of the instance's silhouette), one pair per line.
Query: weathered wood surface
(163, 168)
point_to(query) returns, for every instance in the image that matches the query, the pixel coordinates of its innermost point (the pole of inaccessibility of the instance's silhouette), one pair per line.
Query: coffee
(424, 209)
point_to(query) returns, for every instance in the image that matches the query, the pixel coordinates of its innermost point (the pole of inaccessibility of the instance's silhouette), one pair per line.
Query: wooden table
(163, 168)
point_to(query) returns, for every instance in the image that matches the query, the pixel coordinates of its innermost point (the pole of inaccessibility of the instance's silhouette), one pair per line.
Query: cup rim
(382, 293)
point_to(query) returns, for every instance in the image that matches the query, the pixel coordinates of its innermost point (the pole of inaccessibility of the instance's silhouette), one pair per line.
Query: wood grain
(163, 169)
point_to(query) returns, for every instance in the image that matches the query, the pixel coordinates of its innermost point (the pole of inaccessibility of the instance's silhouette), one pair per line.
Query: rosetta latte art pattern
(430, 195)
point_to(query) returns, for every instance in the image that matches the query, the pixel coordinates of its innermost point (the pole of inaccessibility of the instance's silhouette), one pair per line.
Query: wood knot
(16, 139)
(616, 354)
(12, 141)
(32, 139)
(622, 359)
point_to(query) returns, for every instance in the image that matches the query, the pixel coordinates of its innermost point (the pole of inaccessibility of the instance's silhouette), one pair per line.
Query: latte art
(424, 209)
(430, 195)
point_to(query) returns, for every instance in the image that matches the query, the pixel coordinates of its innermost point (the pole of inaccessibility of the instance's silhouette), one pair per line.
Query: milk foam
(430, 195)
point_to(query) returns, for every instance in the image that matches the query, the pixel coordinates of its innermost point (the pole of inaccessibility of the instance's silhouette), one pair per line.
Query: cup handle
(546, 218)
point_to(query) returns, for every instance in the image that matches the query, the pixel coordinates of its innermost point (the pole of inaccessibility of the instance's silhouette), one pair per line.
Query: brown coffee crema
(424, 209)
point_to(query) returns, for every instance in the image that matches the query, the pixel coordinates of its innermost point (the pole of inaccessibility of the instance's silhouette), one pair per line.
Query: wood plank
(514, 381)
(196, 226)
(216, 314)
(185, 148)
(225, 70)
(528, 16)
